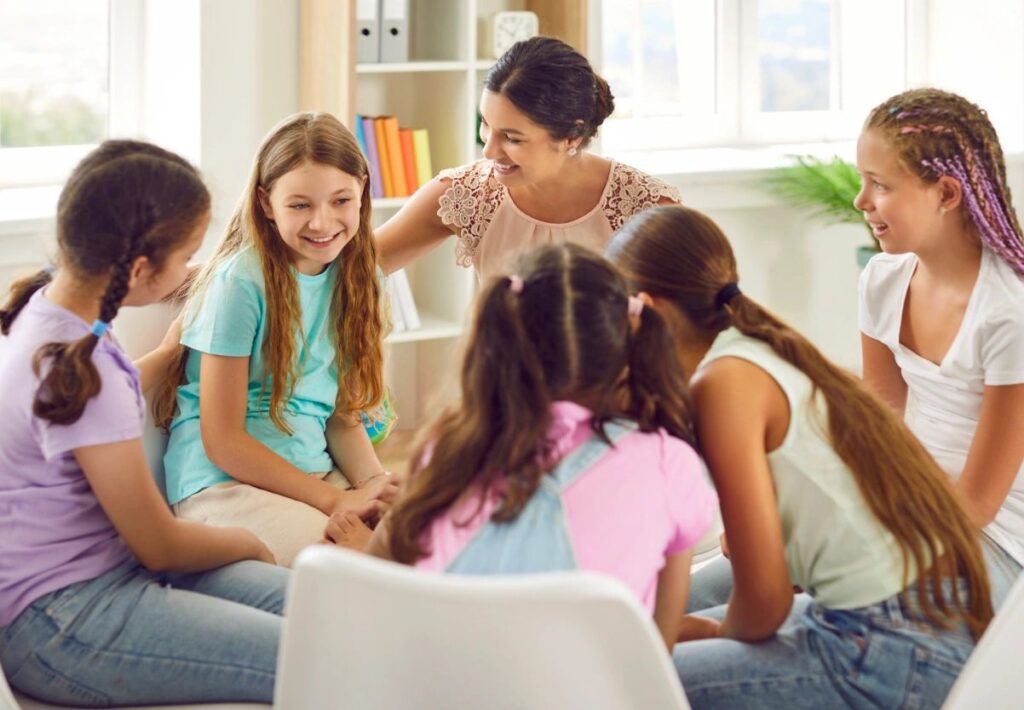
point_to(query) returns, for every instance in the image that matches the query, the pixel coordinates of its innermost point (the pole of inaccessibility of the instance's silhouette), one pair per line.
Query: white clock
(511, 27)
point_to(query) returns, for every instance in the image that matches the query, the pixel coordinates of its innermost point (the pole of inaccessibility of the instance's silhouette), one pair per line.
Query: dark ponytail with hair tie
(21, 292)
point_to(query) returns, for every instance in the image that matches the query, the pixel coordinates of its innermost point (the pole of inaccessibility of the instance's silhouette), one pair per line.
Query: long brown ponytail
(126, 199)
(558, 331)
(681, 255)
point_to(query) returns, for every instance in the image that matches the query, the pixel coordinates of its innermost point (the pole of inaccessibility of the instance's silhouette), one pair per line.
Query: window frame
(40, 166)
(736, 119)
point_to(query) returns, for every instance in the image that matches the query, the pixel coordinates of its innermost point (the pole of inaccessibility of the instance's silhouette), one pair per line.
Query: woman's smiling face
(521, 151)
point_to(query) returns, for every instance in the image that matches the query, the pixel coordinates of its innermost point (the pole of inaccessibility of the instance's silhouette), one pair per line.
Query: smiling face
(521, 151)
(904, 211)
(316, 210)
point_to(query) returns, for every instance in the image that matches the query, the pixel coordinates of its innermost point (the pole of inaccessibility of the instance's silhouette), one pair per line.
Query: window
(689, 73)
(55, 105)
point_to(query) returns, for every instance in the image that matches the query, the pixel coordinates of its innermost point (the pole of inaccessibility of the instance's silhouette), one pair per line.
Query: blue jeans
(134, 637)
(871, 657)
(710, 586)
(1003, 570)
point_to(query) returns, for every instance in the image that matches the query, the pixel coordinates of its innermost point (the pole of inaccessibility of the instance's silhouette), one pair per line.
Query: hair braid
(126, 199)
(936, 134)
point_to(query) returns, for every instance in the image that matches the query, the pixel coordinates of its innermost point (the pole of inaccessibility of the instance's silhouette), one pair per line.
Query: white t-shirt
(944, 400)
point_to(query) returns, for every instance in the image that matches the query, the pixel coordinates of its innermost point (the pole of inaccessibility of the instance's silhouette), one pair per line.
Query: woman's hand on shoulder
(414, 230)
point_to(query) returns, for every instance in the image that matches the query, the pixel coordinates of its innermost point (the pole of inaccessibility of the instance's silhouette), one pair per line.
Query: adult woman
(542, 104)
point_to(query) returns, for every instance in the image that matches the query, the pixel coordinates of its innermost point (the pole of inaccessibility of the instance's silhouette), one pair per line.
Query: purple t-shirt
(53, 531)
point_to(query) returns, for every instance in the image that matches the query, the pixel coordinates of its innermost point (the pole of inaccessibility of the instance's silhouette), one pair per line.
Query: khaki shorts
(284, 525)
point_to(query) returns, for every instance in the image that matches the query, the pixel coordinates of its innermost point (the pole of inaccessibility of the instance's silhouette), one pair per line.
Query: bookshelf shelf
(433, 328)
(414, 67)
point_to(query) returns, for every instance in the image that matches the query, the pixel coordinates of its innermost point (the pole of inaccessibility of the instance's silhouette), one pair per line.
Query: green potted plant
(826, 187)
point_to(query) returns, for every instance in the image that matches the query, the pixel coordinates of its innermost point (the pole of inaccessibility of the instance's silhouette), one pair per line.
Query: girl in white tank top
(822, 488)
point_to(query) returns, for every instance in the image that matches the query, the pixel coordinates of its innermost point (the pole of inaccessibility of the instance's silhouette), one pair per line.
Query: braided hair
(125, 200)
(937, 133)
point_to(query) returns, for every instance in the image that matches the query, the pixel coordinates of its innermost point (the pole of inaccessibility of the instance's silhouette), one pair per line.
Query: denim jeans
(132, 636)
(1003, 570)
(871, 657)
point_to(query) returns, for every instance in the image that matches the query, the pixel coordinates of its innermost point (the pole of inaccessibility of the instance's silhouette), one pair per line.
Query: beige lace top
(492, 230)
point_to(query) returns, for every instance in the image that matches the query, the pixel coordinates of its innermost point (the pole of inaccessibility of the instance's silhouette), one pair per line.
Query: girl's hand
(347, 530)
(695, 628)
(265, 555)
(172, 339)
(257, 548)
(369, 502)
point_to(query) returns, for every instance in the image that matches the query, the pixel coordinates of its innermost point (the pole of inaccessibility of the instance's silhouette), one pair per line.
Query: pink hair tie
(515, 283)
(635, 307)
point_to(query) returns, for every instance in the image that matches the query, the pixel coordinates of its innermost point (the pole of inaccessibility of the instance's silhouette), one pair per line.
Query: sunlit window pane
(54, 87)
(640, 59)
(617, 48)
(794, 48)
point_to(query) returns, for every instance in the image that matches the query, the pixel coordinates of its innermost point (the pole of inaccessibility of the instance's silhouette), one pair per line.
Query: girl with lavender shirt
(105, 597)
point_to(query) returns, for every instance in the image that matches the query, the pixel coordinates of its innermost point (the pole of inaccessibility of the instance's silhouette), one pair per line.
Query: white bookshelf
(437, 89)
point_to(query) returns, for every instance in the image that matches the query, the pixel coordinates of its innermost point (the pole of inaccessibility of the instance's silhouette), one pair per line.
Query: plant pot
(864, 255)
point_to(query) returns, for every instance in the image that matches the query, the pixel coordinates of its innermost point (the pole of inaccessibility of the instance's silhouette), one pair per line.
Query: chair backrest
(993, 676)
(365, 633)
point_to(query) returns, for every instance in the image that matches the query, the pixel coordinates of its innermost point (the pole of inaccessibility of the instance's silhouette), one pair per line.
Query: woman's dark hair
(563, 333)
(126, 199)
(554, 85)
(681, 256)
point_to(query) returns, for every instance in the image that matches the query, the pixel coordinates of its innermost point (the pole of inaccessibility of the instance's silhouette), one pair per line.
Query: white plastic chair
(364, 633)
(993, 677)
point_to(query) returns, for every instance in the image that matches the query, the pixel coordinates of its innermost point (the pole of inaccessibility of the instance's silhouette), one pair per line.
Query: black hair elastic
(726, 294)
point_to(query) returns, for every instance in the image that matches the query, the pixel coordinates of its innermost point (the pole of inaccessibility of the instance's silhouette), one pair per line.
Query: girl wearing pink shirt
(571, 447)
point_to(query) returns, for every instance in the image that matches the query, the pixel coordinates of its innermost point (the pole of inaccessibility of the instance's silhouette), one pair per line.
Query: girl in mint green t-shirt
(283, 350)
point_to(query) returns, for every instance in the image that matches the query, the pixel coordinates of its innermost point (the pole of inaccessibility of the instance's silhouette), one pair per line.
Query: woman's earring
(572, 151)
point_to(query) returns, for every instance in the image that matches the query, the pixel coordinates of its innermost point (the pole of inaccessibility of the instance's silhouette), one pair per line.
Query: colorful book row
(399, 158)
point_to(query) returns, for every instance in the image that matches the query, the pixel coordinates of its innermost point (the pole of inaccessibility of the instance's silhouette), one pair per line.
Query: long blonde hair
(681, 255)
(355, 303)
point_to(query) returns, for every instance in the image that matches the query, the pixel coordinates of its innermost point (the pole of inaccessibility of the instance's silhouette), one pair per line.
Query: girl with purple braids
(942, 309)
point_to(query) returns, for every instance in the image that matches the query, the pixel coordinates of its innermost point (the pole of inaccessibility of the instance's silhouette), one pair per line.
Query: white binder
(394, 31)
(367, 31)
